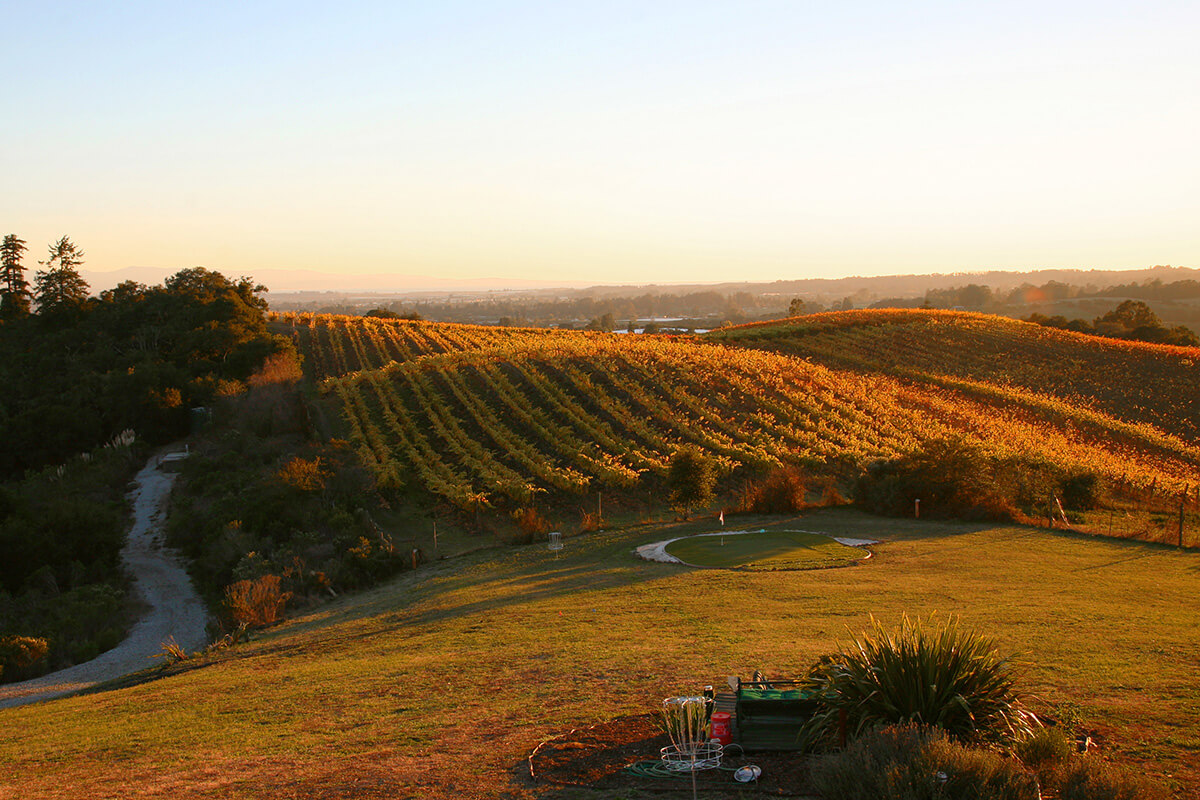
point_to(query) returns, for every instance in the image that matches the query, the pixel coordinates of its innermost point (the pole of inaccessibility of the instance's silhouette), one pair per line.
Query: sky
(604, 142)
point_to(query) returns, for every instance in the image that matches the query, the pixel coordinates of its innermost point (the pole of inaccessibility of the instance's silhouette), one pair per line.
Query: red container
(721, 727)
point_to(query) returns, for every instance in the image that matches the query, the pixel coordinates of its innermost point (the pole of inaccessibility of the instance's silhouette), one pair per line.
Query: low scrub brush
(915, 762)
(1088, 778)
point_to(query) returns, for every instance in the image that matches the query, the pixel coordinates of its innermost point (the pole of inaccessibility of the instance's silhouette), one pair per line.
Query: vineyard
(496, 417)
(979, 354)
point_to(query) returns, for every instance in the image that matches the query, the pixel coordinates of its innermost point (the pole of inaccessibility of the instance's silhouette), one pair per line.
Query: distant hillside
(917, 285)
(313, 281)
(977, 353)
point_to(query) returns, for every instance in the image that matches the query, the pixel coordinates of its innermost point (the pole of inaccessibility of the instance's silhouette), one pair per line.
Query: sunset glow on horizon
(607, 143)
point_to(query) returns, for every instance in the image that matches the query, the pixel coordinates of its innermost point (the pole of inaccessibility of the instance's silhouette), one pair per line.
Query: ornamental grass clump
(925, 673)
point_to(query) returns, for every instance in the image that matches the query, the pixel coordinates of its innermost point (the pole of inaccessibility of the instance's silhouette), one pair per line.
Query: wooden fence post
(1182, 505)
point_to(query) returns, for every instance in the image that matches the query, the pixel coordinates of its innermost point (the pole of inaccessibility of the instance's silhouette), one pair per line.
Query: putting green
(765, 550)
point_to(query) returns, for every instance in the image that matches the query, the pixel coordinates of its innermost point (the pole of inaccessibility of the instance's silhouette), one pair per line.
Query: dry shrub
(782, 491)
(831, 495)
(228, 640)
(168, 397)
(281, 367)
(258, 602)
(271, 408)
(590, 521)
(304, 475)
(530, 522)
(171, 652)
(228, 388)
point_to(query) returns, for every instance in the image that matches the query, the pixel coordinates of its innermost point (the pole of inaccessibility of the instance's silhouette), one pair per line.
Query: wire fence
(1171, 518)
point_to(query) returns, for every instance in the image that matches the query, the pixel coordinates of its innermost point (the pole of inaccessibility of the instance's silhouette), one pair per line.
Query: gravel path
(174, 608)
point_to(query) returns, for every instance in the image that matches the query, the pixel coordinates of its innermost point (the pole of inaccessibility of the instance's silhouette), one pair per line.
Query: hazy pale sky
(604, 141)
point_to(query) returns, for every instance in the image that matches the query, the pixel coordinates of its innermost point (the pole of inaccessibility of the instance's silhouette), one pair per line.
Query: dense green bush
(61, 534)
(57, 538)
(691, 478)
(932, 674)
(77, 625)
(957, 478)
(254, 506)
(915, 762)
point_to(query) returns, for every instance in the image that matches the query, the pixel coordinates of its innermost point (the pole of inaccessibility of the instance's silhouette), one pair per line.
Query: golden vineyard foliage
(482, 415)
(1134, 381)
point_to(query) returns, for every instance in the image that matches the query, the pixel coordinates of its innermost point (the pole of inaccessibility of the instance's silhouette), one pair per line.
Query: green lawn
(766, 550)
(441, 682)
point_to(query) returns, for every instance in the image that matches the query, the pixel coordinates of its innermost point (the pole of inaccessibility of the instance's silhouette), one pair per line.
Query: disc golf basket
(556, 542)
(686, 721)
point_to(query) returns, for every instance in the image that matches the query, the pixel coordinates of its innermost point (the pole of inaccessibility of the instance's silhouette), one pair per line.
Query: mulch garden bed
(596, 757)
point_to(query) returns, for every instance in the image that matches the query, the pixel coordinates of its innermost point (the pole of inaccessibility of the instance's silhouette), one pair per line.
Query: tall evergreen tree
(60, 287)
(14, 289)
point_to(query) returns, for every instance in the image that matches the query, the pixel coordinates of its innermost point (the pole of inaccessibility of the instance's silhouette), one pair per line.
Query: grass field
(439, 683)
(766, 550)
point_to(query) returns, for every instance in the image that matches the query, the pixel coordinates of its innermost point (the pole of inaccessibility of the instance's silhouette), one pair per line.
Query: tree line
(78, 374)
(56, 289)
(1132, 319)
(76, 369)
(978, 297)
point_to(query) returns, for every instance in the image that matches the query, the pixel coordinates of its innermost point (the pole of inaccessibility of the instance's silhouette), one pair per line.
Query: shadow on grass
(590, 563)
(149, 675)
(906, 529)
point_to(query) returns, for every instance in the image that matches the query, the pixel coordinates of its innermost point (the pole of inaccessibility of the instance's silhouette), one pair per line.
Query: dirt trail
(174, 608)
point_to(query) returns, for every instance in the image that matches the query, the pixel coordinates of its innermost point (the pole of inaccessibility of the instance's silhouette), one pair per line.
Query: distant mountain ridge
(300, 280)
(910, 285)
(915, 285)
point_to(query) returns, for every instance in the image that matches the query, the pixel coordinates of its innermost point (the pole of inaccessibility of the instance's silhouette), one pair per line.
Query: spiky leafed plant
(930, 673)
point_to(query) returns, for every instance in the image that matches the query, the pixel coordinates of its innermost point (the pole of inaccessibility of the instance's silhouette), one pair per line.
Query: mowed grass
(766, 550)
(441, 682)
